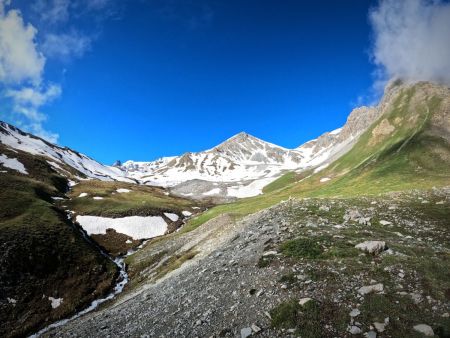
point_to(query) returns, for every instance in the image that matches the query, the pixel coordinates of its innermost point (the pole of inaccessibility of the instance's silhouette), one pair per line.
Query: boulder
(372, 247)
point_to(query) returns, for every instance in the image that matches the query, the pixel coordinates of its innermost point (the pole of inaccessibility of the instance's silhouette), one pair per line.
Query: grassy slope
(142, 200)
(41, 252)
(408, 158)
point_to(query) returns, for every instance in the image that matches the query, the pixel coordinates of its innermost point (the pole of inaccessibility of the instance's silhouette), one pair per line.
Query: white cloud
(34, 96)
(412, 40)
(65, 46)
(21, 71)
(19, 59)
(53, 11)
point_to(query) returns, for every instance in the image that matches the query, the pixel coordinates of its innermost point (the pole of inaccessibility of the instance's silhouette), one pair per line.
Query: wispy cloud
(27, 46)
(21, 70)
(411, 40)
(66, 46)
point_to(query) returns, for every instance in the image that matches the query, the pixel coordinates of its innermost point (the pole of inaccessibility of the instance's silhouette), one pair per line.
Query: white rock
(380, 326)
(365, 290)
(383, 222)
(424, 329)
(83, 194)
(246, 332)
(186, 213)
(269, 253)
(303, 301)
(324, 208)
(55, 302)
(256, 328)
(354, 330)
(370, 334)
(372, 247)
(123, 190)
(355, 313)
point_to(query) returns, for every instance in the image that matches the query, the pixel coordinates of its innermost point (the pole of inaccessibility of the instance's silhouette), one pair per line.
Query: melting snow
(186, 213)
(214, 191)
(172, 217)
(137, 227)
(83, 194)
(324, 179)
(56, 302)
(123, 190)
(13, 163)
(97, 198)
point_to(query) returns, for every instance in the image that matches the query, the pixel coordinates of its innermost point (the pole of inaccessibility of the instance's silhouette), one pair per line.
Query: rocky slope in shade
(47, 269)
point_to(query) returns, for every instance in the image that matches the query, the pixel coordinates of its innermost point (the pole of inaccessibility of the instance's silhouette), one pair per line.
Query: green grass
(308, 320)
(302, 248)
(174, 262)
(45, 254)
(141, 201)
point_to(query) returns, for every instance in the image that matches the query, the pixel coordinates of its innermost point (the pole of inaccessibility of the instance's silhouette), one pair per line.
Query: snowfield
(172, 217)
(12, 163)
(137, 227)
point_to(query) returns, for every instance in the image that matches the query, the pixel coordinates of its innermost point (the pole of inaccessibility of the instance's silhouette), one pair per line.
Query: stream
(121, 281)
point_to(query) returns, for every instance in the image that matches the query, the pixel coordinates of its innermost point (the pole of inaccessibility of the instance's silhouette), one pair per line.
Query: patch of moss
(302, 248)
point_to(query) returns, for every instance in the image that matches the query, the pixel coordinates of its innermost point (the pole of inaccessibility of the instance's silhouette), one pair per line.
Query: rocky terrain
(373, 267)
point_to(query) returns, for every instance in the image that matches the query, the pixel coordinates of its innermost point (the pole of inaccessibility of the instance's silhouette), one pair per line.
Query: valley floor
(252, 276)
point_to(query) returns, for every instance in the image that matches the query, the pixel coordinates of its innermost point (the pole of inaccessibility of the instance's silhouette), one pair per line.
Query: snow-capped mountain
(242, 165)
(59, 157)
(239, 167)
(242, 157)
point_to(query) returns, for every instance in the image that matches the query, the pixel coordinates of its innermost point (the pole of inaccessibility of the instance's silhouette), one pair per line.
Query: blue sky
(159, 78)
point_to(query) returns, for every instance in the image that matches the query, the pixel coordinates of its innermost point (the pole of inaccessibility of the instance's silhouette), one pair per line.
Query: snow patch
(83, 194)
(137, 227)
(97, 198)
(186, 213)
(13, 163)
(55, 302)
(324, 179)
(215, 191)
(172, 217)
(123, 190)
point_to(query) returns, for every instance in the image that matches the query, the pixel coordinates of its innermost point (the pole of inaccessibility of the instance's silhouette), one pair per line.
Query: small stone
(269, 253)
(303, 301)
(424, 329)
(259, 293)
(370, 334)
(372, 247)
(256, 328)
(416, 297)
(365, 290)
(379, 326)
(355, 313)
(383, 222)
(246, 332)
(354, 330)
